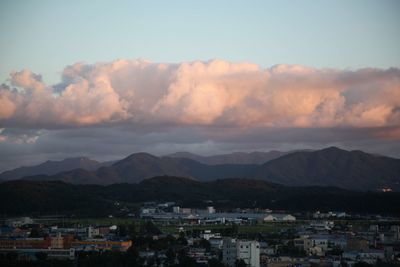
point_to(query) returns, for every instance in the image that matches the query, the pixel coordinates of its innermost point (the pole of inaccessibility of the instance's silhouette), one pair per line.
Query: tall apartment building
(248, 251)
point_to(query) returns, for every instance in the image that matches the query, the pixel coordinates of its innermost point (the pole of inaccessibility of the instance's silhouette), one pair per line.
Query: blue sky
(45, 36)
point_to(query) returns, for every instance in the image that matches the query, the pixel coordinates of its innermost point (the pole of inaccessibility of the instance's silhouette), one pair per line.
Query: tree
(215, 263)
(240, 263)
(132, 257)
(12, 256)
(182, 241)
(205, 244)
(34, 233)
(132, 231)
(362, 264)
(150, 228)
(41, 256)
(122, 231)
(170, 254)
(187, 262)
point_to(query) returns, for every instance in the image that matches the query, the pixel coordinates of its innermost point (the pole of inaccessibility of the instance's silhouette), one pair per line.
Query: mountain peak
(333, 148)
(138, 156)
(51, 167)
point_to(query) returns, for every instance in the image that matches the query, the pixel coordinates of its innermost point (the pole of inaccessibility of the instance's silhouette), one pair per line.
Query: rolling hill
(51, 197)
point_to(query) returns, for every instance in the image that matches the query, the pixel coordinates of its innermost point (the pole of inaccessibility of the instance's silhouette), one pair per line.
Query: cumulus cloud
(214, 93)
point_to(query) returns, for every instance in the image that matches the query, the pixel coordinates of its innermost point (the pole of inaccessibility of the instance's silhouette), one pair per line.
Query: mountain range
(255, 157)
(354, 170)
(84, 163)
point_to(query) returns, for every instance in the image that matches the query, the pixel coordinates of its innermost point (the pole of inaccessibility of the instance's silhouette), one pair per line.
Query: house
(370, 256)
(303, 243)
(338, 242)
(357, 243)
(57, 242)
(320, 241)
(216, 242)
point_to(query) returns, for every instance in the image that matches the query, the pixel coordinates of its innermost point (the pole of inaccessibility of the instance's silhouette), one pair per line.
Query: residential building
(248, 251)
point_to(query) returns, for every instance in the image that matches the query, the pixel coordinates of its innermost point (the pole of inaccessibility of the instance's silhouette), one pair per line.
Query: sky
(105, 79)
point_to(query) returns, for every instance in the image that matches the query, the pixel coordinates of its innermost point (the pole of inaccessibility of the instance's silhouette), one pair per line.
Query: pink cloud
(210, 93)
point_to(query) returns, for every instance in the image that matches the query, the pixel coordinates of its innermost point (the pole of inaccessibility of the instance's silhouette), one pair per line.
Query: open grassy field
(175, 227)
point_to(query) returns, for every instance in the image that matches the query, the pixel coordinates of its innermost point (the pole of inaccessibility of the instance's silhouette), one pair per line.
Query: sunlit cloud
(115, 108)
(210, 93)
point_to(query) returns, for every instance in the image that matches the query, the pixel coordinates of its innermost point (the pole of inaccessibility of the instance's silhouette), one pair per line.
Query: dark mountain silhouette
(50, 197)
(139, 166)
(232, 158)
(52, 167)
(333, 167)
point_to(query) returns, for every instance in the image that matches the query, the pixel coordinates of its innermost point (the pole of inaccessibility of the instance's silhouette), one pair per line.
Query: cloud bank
(214, 93)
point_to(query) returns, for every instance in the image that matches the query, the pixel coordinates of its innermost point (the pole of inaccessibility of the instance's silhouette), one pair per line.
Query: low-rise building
(101, 245)
(19, 221)
(279, 218)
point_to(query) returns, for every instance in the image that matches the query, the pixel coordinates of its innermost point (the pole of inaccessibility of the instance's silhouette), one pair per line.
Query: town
(165, 234)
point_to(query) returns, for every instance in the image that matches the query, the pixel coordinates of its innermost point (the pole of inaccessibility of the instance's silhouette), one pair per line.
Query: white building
(185, 210)
(17, 222)
(321, 225)
(248, 251)
(279, 218)
(176, 209)
(207, 234)
(147, 211)
(92, 232)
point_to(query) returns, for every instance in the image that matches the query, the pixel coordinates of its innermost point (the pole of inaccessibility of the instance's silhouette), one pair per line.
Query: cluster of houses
(18, 235)
(170, 213)
(323, 243)
(312, 245)
(324, 240)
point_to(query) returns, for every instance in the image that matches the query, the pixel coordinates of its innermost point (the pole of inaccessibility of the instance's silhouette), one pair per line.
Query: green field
(174, 227)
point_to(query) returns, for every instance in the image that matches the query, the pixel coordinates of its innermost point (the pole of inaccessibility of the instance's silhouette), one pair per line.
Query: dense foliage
(54, 197)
